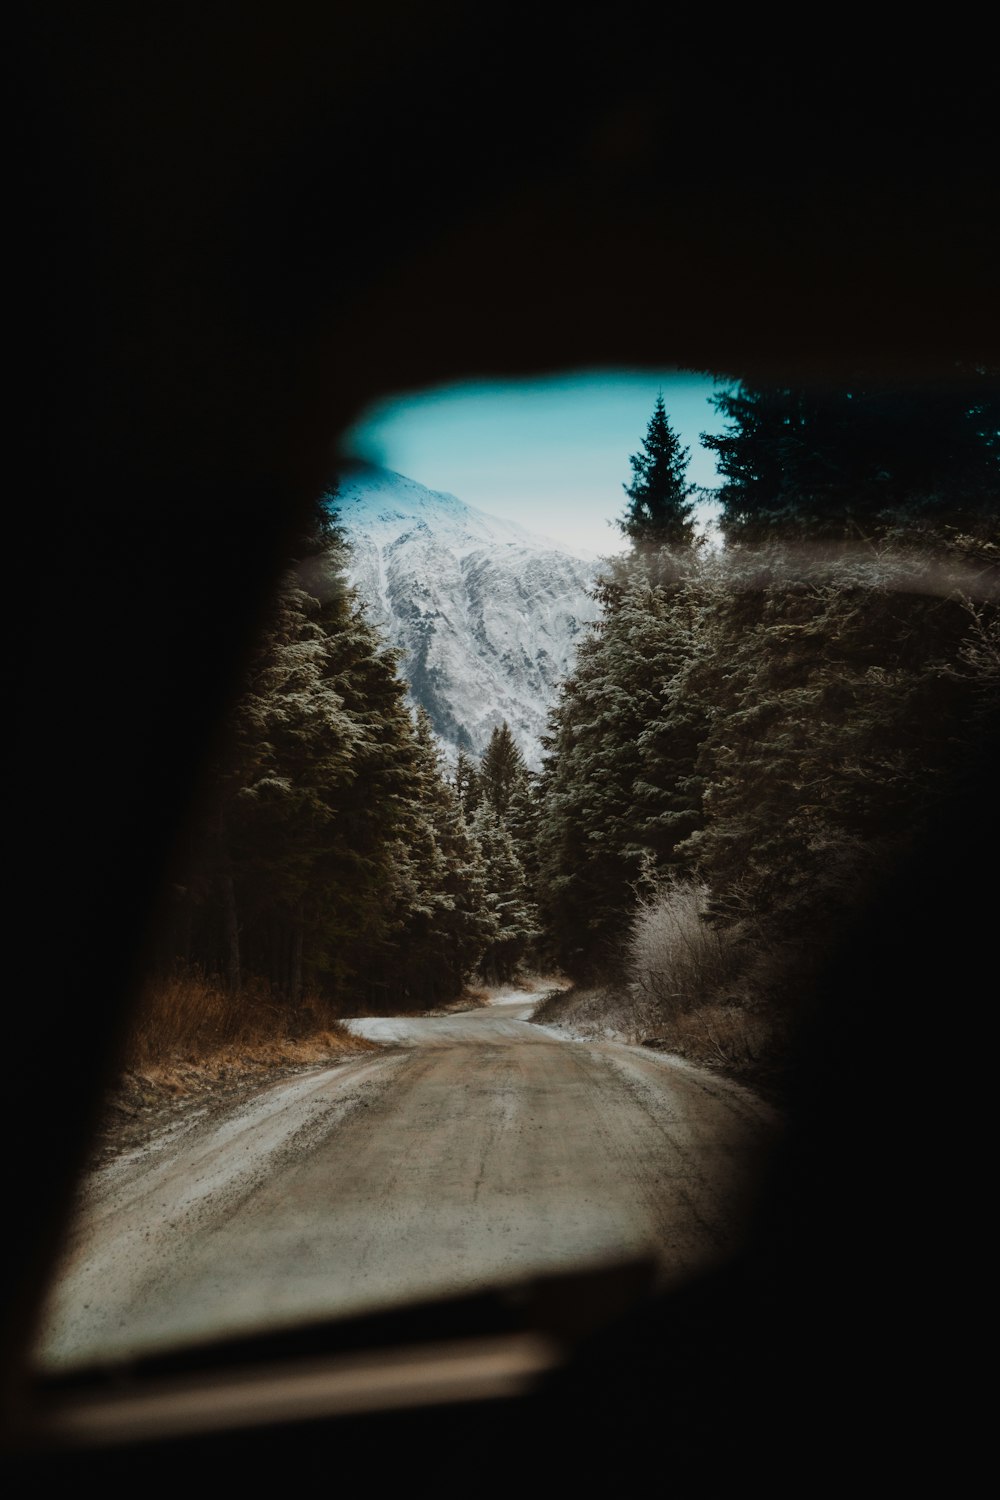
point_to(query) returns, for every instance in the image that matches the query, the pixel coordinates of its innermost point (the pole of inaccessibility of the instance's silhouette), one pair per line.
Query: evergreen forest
(336, 864)
(760, 732)
(759, 727)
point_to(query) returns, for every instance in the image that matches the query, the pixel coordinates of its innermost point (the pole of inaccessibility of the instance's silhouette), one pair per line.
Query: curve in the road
(479, 1148)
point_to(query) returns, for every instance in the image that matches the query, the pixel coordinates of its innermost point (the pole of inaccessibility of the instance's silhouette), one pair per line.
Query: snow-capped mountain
(487, 614)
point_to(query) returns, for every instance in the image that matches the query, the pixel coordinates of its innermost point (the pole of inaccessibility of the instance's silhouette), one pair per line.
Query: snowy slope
(487, 614)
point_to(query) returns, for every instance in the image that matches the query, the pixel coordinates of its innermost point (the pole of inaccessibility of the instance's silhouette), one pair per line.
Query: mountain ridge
(486, 613)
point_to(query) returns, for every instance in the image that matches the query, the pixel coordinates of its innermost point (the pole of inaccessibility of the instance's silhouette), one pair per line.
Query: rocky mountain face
(487, 614)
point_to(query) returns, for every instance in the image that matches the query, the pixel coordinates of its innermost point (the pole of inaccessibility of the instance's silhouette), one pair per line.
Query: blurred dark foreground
(238, 231)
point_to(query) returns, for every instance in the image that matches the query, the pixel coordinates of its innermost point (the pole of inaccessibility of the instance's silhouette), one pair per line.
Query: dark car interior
(241, 226)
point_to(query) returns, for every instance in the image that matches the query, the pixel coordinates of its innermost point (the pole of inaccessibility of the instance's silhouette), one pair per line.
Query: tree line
(335, 852)
(755, 731)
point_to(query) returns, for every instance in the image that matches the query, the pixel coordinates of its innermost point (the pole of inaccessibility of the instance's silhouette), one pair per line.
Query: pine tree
(502, 770)
(512, 917)
(589, 860)
(830, 728)
(841, 460)
(505, 788)
(335, 853)
(660, 510)
(295, 744)
(467, 784)
(350, 809)
(447, 923)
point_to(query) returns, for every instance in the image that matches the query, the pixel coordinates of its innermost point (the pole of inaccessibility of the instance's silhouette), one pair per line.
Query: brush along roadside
(196, 1047)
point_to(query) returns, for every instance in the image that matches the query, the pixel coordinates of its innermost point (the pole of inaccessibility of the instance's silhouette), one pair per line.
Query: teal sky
(551, 453)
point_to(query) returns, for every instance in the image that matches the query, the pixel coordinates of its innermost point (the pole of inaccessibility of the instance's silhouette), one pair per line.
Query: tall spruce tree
(436, 891)
(589, 851)
(335, 856)
(660, 508)
(466, 784)
(836, 461)
(505, 787)
(502, 770)
(510, 912)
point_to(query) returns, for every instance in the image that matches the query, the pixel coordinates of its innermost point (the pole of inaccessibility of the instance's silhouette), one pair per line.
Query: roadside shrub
(677, 958)
(722, 1036)
(589, 1011)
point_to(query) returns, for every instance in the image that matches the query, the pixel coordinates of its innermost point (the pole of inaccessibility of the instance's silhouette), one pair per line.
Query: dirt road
(478, 1148)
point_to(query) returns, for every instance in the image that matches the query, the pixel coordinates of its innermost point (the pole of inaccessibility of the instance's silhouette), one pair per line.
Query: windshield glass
(584, 719)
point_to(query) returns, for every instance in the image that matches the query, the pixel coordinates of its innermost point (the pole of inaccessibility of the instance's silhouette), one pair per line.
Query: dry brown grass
(725, 1036)
(543, 984)
(194, 1042)
(752, 1045)
(189, 1020)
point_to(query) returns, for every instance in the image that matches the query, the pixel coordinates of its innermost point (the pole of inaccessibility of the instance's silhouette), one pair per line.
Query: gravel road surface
(475, 1149)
